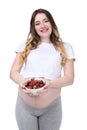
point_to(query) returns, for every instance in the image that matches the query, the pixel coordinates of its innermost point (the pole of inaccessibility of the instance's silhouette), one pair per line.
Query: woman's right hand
(22, 85)
(24, 82)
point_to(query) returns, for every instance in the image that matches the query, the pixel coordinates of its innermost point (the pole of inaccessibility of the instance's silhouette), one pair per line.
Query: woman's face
(43, 26)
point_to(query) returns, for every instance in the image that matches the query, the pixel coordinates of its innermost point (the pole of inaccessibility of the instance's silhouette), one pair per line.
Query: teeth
(44, 30)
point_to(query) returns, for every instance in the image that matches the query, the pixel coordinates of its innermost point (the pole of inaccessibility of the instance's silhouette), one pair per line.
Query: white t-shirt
(44, 61)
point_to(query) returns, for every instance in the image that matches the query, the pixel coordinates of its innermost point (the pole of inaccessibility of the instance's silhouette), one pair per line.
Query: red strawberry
(33, 83)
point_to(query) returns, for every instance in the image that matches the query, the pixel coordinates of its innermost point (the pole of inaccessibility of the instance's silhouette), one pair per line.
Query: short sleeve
(69, 51)
(20, 48)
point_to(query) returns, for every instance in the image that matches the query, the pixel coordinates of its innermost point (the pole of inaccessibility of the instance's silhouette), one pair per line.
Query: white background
(71, 18)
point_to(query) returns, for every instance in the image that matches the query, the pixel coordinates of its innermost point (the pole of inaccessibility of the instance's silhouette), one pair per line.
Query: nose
(42, 24)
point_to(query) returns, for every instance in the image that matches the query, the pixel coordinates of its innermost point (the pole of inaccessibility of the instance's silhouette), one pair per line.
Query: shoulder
(21, 47)
(67, 45)
(69, 50)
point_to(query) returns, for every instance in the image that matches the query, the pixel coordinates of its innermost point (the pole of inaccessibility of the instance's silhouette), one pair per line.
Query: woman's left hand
(46, 86)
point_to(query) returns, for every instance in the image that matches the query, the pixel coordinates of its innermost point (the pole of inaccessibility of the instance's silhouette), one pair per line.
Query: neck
(47, 41)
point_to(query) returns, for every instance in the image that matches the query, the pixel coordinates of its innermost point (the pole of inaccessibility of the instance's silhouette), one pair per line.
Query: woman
(43, 56)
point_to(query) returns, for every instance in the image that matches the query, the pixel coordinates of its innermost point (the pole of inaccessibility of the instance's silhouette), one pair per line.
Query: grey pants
(48, 118)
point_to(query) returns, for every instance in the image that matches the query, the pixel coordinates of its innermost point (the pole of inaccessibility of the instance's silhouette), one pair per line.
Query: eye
(46, 20)
(37, 23)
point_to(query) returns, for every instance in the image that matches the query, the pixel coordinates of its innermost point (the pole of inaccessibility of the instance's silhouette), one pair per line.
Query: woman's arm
(68, 76)
(15, 70)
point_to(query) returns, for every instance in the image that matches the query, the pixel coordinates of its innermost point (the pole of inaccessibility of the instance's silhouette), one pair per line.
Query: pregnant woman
(45, 56)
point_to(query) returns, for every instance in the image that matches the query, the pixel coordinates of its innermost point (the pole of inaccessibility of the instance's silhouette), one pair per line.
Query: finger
(28, 92)
(45, 90)
(45, 86)
(41, 91)
(23, 86)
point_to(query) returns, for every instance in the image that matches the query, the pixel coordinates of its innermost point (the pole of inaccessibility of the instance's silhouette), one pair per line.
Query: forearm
(17, 78)
(61, 82)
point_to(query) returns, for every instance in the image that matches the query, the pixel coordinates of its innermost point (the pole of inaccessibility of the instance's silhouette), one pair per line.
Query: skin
(43, 27)
(52, 89)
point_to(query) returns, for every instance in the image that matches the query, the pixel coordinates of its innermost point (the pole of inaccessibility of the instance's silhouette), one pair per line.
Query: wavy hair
(33, 38)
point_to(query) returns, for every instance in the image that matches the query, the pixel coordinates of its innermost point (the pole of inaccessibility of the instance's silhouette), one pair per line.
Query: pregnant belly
(40, 101)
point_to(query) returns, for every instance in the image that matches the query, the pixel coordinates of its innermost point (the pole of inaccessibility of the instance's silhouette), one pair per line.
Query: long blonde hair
(33, 38)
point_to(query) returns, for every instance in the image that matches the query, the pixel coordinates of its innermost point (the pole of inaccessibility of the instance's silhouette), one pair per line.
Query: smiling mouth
(44, 30)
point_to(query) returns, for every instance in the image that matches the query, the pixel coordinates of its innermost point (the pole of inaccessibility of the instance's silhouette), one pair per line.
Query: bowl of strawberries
(34, 85)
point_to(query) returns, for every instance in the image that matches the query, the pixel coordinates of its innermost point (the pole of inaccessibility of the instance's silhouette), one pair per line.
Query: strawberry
(34, 84)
